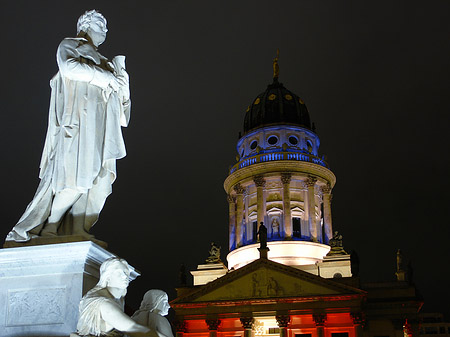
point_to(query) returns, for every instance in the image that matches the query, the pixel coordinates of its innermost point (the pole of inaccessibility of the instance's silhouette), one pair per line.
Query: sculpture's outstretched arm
(120, 321)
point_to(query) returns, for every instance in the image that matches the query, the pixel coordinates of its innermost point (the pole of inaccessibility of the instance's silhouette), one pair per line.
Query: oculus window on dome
(272, 140)
(293, 140)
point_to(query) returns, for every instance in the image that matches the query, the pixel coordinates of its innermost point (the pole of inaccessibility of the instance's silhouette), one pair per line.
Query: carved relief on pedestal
(36, 306)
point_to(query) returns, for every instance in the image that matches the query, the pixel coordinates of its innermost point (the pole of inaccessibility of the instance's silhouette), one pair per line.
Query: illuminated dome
(277, 105)
(280, 181)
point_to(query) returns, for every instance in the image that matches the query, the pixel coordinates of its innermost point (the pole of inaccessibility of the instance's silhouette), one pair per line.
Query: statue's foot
(17, 236)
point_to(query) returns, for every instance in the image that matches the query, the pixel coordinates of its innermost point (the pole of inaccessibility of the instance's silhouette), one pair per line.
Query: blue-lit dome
(277, 105)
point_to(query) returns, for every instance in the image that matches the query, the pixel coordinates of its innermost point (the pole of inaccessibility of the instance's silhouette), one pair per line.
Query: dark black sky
(374, 75)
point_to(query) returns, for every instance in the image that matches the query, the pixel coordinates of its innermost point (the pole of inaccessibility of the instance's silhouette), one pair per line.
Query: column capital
(180, 325)
(286, 178)
(326, 190)
(231, 199)
(319, 319)
(259, 181)
(247, 322)
(239, 189)
(283, 320)
(310, 181)
(213, 324)
(358, 318)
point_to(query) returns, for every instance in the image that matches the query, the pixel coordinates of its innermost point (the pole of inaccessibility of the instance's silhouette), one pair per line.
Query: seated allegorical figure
(101, 309)
(154, 306)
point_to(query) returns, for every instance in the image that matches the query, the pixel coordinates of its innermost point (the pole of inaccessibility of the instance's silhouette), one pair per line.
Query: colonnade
(283, 322)
(237, 209)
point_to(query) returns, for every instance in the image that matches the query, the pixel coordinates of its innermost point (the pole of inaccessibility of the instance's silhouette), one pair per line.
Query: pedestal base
(41, 286)
(49, 240)
(208, 272)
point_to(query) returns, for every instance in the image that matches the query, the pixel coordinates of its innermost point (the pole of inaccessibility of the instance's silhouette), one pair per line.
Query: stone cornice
(323, 174)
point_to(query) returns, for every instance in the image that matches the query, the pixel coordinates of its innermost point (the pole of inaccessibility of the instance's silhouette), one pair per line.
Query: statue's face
(119, 278)
(164, 306)
(97, 32)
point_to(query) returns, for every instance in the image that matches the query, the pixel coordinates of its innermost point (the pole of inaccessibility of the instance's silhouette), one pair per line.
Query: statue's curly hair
(85, 20)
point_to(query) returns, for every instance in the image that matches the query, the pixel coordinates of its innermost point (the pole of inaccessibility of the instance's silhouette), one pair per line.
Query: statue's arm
(112, 315)
(70, 66)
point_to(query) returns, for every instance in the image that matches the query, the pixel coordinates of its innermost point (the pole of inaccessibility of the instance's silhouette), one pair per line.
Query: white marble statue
(90, 102)
(101, 309)
(154, 306)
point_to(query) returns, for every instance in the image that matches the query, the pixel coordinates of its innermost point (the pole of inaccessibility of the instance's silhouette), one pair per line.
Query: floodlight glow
(291, 253)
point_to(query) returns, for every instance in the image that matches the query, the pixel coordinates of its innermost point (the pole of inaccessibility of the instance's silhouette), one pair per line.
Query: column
(247, 323)
(232, 221)
(311, 207)
(260, 207)
(326, 194)
(358, 322)
(283, 322)
(213, 325)
(320, 319)
(286, 180)
(239, 213)
(180, 327)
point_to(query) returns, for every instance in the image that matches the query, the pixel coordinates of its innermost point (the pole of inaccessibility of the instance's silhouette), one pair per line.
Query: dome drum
(279, 142)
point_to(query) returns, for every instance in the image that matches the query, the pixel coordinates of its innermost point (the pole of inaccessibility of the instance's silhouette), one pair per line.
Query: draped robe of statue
(90, 321)
(83, 142)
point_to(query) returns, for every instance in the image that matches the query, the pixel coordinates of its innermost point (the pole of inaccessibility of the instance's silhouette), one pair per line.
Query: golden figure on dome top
(276, 68)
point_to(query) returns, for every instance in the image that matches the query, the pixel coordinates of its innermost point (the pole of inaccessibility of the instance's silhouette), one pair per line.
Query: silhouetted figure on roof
(262, 234)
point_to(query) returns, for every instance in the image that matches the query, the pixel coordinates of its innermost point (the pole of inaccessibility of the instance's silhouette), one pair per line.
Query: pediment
(264, 279)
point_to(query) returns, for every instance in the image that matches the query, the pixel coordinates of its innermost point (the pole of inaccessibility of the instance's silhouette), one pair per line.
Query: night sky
(373, 74)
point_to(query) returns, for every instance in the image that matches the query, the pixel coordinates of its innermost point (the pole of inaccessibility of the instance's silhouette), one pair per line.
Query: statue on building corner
(336, 245)
(90, 102)
(214, 254)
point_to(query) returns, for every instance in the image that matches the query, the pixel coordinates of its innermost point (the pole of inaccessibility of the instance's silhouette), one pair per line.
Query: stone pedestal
(335, 266)
(208, 272)
(41, 286)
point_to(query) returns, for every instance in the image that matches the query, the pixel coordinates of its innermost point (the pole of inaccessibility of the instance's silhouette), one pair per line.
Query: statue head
(115, 273)
(156, 301)
(92, 24)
